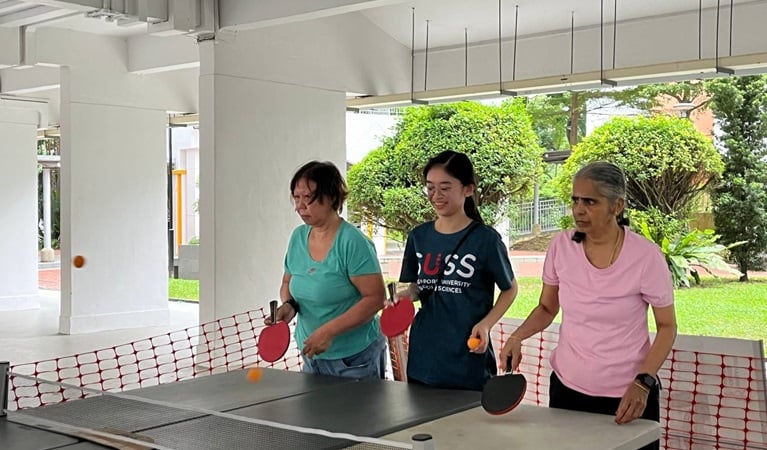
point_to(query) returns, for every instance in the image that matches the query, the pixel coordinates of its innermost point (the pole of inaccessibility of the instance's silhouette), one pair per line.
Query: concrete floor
(32, 335)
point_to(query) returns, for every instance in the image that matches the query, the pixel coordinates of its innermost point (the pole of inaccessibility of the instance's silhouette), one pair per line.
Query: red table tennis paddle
(503, 393)
(396, 319)
(274, 339)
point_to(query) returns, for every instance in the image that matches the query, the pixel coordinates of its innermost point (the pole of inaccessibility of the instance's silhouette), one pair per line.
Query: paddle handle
(273, 310)
(392, 288)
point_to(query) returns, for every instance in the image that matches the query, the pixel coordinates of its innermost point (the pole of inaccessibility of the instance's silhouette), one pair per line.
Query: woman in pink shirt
(604, 277)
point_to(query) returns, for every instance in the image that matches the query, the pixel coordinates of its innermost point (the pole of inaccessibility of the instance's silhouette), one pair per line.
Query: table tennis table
(226, 411)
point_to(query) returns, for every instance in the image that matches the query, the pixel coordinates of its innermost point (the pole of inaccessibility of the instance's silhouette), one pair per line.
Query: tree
(667, 161)
(740, 201)
(386, 187)
(554, 115)
(652, 96)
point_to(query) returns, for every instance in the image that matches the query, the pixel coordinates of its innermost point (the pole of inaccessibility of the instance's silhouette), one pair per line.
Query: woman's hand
(481, 331)
(632, 404)
(318, 342)
(285, 313)
(513, 348)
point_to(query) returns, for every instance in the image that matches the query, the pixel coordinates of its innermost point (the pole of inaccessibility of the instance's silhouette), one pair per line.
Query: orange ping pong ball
(78, 261)
(255, 374)
(473, 342)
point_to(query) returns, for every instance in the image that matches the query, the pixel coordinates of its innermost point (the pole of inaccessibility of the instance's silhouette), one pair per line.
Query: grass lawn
(183, 289)
(719, 307)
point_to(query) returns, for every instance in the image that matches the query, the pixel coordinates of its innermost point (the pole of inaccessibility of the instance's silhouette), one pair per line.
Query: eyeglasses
(443, 190)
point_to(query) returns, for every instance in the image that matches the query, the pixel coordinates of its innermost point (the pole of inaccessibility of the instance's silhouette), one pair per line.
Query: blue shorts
(369, 363)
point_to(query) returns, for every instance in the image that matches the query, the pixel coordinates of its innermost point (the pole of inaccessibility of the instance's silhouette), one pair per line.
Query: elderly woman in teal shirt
(332, 281)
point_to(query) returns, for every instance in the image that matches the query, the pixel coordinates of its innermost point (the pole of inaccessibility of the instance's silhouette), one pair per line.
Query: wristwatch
(292, 303)
(646, 380)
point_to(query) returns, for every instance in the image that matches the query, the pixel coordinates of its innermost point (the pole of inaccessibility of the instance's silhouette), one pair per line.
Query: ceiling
(448, 18)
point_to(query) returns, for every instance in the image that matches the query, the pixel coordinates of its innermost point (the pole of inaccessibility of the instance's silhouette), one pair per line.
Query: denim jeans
(369, 363)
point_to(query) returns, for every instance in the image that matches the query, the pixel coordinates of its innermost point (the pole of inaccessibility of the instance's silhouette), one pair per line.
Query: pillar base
(47, 255)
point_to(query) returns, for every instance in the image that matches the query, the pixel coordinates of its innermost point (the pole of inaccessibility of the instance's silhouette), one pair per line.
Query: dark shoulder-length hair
(331, 186)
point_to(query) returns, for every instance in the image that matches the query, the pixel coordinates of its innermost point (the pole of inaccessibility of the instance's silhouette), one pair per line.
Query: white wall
(253, 136)
(18, 209)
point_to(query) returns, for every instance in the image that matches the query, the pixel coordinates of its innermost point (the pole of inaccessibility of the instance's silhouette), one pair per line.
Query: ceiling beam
(265, 13)
(72, 5)
(31, 16)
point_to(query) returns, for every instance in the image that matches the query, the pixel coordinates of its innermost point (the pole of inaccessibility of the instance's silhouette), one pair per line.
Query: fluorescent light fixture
(630, 76)
(464, 93)
(663, 73)
(752, 64)
(382, 101)
(561, 83)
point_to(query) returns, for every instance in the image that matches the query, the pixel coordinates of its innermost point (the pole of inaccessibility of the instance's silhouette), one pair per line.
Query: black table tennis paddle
(503, 393)
(274, 339)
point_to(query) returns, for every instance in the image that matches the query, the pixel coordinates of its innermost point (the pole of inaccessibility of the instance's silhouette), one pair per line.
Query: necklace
(615, 248)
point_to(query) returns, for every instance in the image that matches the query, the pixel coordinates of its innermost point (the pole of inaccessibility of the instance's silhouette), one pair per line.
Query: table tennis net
(122, 420)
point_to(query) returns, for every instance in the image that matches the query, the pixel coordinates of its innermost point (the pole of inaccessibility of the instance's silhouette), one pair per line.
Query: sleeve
(289, 252)
(409, 271)
(498, 262)
(361, 257)
(550, 275)
(657, 286)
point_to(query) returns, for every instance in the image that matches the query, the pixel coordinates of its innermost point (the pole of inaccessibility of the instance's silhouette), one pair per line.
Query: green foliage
(549, 118)
(666, 160)
(386, 187)
(740, 201)
(685, 253)
(657, 224)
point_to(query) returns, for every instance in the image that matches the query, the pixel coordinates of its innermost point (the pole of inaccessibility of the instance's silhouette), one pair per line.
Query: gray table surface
(531, 427)
(364, 408)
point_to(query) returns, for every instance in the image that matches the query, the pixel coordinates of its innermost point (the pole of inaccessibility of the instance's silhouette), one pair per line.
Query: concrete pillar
(18, 209)
(113, 204)
(254, 134)
(46, 254)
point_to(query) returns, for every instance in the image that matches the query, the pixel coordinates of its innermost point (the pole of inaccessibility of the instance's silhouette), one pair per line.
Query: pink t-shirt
(603, 338)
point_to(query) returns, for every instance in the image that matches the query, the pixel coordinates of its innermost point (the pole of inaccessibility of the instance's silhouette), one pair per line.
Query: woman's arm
(371, 288)
(634, 400)
(482, 329)
(538, 319)
(665, 323)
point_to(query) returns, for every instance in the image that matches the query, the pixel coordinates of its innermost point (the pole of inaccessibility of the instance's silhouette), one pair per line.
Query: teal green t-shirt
(324, 291)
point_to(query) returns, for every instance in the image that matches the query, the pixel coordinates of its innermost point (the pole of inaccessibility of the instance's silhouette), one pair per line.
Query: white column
(46, 254)
(254, 134)
(113, 204)
(18, 209)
